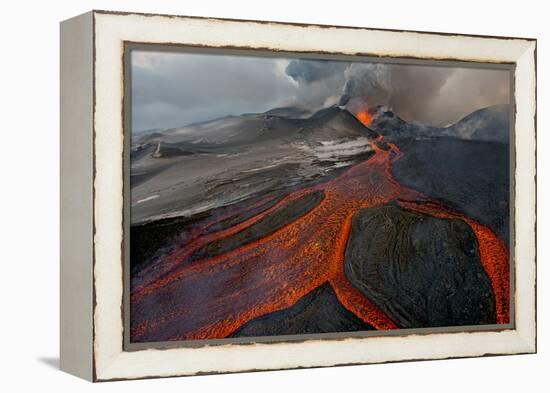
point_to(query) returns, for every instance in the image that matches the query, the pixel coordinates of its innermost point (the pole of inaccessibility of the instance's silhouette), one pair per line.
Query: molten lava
(211, 298)
(364, 117)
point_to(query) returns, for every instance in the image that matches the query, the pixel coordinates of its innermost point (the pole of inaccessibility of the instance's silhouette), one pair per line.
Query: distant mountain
(491, 124)
(249, 129)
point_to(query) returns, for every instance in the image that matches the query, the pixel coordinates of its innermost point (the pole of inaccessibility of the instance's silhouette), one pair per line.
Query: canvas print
(274, 196)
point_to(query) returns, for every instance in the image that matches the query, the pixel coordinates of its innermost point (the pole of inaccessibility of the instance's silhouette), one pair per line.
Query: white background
(29, 205)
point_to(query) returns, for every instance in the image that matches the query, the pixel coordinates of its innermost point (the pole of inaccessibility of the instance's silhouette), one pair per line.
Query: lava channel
(212, 297)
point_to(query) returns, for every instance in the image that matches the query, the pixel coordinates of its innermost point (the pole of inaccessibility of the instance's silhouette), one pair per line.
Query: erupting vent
(364, 117)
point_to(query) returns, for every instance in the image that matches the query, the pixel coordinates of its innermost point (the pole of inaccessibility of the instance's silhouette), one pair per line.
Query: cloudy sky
(174, 89)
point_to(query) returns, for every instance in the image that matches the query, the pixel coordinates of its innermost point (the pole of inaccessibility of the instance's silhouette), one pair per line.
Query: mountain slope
(203, 166)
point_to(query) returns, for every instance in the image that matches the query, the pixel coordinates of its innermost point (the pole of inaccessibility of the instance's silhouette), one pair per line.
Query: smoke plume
(432, 95)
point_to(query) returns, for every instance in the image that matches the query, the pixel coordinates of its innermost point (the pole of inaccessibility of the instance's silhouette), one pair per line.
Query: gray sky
(174, 89)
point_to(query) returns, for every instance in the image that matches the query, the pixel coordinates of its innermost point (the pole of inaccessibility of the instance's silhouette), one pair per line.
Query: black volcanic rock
(393, 127)
(388, 123)
(271, 222)
(239, 217)
(317, 312)
(470, 176)
(149, 238)
(491, 124)
(420, 270)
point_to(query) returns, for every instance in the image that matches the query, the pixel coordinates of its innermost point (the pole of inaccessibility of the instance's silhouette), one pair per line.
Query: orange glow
(364, 117)
(211, 298)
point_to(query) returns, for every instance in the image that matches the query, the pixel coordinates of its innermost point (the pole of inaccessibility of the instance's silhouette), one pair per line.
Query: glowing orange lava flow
(212, 297)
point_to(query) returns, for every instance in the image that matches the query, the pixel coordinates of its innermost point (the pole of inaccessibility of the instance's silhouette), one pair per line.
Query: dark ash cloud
(318, 82)
(174, 89)
(426, 94)
(314, 70)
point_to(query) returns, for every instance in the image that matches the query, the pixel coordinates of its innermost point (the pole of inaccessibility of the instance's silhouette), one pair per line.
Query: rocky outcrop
(317, 312)
(420, 270)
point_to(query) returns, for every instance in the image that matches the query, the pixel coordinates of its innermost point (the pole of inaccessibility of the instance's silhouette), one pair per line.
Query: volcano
(288, 223)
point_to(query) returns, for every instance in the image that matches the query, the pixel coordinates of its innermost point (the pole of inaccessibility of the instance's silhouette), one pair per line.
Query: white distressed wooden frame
(92, 89)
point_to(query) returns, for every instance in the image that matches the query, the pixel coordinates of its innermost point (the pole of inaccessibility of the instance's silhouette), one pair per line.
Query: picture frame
(94, 277)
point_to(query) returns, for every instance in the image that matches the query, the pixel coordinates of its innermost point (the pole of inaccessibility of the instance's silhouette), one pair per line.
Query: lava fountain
(364, 117)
